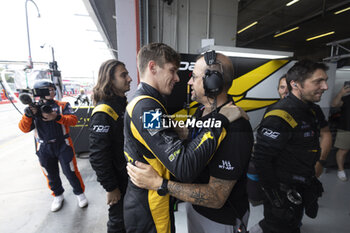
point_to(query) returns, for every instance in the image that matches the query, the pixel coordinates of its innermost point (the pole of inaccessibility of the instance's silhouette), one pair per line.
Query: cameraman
(51, 120)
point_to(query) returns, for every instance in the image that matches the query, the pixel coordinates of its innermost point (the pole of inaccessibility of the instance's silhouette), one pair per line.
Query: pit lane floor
(25, 199)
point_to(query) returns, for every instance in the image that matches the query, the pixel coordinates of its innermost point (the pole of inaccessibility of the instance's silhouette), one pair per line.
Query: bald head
(224, 66)
(228, 71)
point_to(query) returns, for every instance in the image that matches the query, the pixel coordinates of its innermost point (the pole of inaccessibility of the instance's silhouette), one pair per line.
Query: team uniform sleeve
(232, 157)
(101, 153)
(67, 118)
(185, 160)
(272, 137)
(26, 124)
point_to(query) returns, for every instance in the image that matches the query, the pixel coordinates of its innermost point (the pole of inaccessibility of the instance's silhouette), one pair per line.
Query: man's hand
(49, 116)
(318, 169)
(30, 111)
(33, 109)
(144, 176)
(345, 90)
(113, 197)
(232, 112)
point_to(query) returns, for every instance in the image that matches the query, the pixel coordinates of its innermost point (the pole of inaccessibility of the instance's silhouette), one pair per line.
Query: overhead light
(344, 68)
(246, 52)
(285, 32)
(83, 15)
(322, 35)
(292, 2)
(250, 25)
(341, 11)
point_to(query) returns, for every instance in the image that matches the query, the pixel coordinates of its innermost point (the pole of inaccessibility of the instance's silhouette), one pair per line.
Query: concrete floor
(25, 199)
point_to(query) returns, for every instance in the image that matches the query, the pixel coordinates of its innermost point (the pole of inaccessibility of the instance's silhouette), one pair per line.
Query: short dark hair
(158, 52)
(303, 70)
(104, 89)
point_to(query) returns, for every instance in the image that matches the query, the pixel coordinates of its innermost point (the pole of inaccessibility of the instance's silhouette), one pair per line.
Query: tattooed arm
(212, 195)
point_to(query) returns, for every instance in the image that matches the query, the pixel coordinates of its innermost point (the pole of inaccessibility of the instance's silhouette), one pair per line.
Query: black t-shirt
(321, 119)
(230, 162)
(344, 121)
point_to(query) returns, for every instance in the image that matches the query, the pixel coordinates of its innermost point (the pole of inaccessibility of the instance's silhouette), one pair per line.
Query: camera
(41, 89)
(26, 97)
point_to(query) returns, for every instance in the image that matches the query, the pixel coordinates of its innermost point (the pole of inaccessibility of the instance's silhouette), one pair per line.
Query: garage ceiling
(313, 17)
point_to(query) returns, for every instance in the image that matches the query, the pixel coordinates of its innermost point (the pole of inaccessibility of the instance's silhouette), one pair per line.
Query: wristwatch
(322, 162)
(163, 190)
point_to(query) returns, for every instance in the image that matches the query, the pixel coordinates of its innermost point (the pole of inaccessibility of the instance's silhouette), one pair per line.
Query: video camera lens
(46, 108)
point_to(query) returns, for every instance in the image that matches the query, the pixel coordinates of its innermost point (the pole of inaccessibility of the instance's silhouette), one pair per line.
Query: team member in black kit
(149, 142)
(218, 195)
(106, 137)
(287, 150)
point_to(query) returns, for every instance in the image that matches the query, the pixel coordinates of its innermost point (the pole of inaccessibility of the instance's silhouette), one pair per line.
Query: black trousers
(282, 220)
(115, 222)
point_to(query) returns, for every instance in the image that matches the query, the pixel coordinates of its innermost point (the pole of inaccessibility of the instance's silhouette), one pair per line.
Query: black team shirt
(230, 162)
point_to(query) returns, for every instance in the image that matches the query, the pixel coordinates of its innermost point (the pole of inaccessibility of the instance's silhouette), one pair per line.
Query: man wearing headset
(149, 141)
(54, 143)
(287, 150)
(218, 195)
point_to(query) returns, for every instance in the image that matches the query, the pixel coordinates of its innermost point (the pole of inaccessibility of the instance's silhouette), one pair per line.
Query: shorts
(197, 223)
(342, 140)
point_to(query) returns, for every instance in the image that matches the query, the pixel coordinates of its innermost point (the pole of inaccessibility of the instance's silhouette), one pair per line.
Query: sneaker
(57, 203)
(342, 175)
(82, 201)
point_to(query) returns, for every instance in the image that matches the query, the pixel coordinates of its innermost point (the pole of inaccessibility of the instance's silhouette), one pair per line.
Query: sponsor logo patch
(173, 155)
(309, 134)
(101, 128)
(226, 165)
(304, 125)
(269, 133)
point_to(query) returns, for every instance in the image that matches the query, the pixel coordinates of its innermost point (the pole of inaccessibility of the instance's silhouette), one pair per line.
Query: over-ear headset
(213, 81)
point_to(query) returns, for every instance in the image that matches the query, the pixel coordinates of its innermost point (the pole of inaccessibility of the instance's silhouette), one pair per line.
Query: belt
(287, 177)
(52, 140)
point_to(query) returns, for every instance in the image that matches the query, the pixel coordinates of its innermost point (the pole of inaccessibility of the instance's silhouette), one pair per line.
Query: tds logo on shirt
(151, 119)
(269, 133)
(101, 128)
